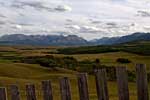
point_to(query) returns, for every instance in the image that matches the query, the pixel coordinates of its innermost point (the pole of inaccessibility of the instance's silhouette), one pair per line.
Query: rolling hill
(137, 47)
(117, 40)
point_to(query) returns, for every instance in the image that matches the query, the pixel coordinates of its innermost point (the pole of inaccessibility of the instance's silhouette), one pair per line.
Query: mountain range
(70, 40)
(42, 40)
(118, 40)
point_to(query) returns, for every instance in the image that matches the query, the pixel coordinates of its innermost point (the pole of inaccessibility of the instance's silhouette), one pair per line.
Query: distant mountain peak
(128, 38)
(54, 40)
(70, 40)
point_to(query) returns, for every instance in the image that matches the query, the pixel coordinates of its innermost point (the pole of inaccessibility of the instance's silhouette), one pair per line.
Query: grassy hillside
(138, 47)
(110, 59)
(22, 74)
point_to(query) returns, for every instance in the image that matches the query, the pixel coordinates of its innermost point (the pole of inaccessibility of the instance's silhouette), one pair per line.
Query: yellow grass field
(22, 74)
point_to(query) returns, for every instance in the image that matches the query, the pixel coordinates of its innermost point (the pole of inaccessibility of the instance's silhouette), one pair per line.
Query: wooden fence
(101, 86)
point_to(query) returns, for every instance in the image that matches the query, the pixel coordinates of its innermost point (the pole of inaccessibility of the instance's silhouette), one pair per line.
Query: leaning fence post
(65, 89)
(31, 95)
(83, 86)
(14, 92)
(47, 90)
(101, 84)
(142, 83)
(122, 80)
(2, 94)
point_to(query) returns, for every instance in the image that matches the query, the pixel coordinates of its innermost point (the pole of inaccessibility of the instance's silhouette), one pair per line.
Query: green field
(14, 72)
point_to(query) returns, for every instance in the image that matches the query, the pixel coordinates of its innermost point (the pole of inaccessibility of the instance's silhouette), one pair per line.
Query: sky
(89, 19)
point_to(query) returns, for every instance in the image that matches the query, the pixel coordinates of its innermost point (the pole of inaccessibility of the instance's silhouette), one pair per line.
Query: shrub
(123, 60)
(131, 76)
(97, 61)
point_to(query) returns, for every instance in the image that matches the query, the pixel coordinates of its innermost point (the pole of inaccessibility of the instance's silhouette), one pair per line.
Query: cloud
(34, 4)
(96, 22)
(89, 29)
(143, 13)
(25, 24)
(147, 28)
(84, 29)
(111, 24)
(16, 27)
(38, 5)
(76, 27)
(2, 22)
(69, 20)
(87, 18)
(2, 16)
(63, 8)
(104, 29)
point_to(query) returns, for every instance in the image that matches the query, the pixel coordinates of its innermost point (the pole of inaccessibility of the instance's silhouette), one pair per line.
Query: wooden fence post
(83, 86)
(101, 85)
(2, 94)
(122, 80)
(65, 89)
(142, 83)
(47, 90)
(14, 92)
(31, 95)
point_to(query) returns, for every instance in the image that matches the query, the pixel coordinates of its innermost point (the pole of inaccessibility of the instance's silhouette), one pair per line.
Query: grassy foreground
(22, 74)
